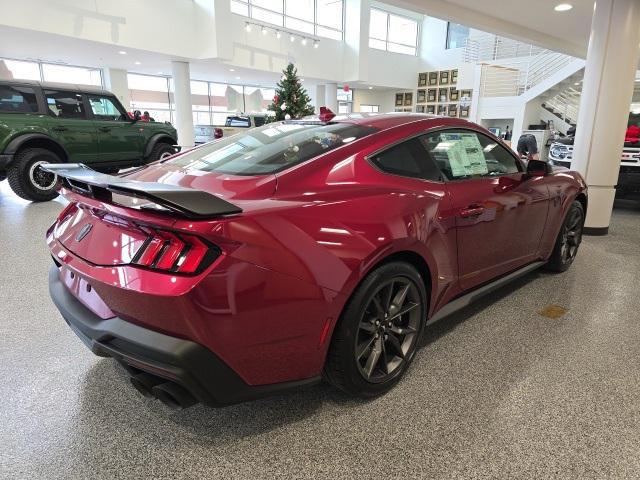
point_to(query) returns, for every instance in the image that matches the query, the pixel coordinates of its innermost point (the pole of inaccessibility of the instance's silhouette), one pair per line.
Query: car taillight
(177, 253)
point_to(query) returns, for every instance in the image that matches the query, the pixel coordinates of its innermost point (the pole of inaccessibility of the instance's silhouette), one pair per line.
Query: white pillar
(320, 97)
(182, 100)
(612, 60)
(331, 97)
(115, 80)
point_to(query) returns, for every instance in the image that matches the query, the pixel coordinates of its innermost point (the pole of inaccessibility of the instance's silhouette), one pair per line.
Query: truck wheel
(161, 151)
(28, 180)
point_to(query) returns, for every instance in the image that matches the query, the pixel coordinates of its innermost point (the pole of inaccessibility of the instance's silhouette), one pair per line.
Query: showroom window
(369, 108)
(151, 93)
(456, 35)
(322, 18)
(393, 33)
(49, 72)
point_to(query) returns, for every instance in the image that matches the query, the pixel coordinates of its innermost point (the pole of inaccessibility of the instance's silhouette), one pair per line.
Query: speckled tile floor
(498, 391)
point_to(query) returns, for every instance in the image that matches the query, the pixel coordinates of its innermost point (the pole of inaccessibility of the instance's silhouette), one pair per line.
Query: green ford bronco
(52, 123)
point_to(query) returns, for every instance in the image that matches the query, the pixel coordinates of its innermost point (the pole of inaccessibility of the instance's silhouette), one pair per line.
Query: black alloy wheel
(388, 329)
(568, 240)
(377, 334)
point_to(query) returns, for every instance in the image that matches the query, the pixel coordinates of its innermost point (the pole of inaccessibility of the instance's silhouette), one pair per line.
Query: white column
(331, 97)
(115, 80)
(182, 100)
(320, 97)
(612, 60)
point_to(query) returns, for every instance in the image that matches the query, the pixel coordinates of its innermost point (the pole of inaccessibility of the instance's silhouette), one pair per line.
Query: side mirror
(537, 168)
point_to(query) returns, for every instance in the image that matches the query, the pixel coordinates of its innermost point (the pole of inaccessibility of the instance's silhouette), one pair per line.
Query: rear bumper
(210, 380)
(5, 160)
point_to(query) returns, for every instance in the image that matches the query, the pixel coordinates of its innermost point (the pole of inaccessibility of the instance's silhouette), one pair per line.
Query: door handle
(60, 129)
(471, 211)
(105, 129)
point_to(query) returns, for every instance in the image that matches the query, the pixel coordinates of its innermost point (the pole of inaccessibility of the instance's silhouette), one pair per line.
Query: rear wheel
(377, 336)
(569, 239)
(28, 180)
(161, 151)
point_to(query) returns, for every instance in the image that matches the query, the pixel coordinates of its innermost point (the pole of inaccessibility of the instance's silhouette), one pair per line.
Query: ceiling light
(278, 34)
(237, 78)
(122, 52)
(577, 83)
(370, 88)
(232, 69)
(563, 7)
(292, 38)
(247, 27)
(137, 63)
(316, 44)
(264, 31)
(303, 41)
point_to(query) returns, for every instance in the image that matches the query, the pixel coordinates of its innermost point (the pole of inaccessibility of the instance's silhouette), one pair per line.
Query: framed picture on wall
(454, 76)
(422, 79)
(442, 110)
(465, 93)
(444, 77)
(443, 95)
(431, 109)
(419, 108)
(432, 93)
(453, 110)
(433, 78)
(399, 99)
(454, 94)
(422, 96)
(464, 112)
(408, 99)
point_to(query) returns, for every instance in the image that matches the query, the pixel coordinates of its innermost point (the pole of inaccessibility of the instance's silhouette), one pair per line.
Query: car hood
(229, 187)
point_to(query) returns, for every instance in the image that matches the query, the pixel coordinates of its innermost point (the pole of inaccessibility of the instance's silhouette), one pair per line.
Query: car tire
(568, 240)
(160, 151)
(366, 356)
(27, 180)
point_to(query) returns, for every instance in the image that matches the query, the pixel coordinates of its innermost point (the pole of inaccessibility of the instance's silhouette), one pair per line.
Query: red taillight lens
(173, 252)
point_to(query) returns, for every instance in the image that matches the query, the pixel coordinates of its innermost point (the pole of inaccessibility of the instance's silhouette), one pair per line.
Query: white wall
(384, 98)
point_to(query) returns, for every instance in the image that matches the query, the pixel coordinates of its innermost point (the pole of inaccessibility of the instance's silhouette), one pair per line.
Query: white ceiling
(533, 21)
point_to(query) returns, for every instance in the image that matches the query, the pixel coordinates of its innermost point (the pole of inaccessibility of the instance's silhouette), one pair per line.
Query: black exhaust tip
(173, 395)
(144, 383)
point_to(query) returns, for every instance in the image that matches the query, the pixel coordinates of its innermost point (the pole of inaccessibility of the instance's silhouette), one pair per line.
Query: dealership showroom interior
(319, 239)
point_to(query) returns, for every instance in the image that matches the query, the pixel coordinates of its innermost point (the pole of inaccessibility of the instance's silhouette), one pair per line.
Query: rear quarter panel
(13, 125)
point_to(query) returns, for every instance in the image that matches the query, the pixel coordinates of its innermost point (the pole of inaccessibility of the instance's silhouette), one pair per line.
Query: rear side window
(408, 159)
(17, 99)
(271, 148)
(462, 154)
(65, 104)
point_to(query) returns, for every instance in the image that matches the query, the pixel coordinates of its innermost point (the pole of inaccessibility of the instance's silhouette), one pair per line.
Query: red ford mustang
(300, 250)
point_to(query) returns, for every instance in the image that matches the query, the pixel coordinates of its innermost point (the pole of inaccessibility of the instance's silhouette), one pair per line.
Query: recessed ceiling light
(122, 52)
(370, 88)
(577, 83)
(232, 69)
(137, 63)
(563, 7)
(304, 41)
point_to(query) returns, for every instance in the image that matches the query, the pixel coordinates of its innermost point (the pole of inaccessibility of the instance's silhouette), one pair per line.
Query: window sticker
(464, 153)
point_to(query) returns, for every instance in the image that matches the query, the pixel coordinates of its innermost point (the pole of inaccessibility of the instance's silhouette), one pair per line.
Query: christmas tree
(290, 100)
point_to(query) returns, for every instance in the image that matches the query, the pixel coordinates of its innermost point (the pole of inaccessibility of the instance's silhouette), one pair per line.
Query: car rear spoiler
(188, 202)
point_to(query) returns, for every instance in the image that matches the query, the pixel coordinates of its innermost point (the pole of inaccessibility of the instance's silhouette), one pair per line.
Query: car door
(119, 138)
(68, 123)
(500, 212)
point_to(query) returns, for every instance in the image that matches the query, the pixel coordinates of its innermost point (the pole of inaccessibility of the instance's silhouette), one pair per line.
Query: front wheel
(28, 180)
(377, 335)
(568, 240)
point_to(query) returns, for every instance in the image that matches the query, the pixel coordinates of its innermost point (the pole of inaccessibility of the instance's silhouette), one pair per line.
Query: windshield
(271, 148)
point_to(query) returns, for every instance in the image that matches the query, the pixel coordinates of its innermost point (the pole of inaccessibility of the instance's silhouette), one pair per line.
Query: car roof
(383, 121)
(58, 86)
